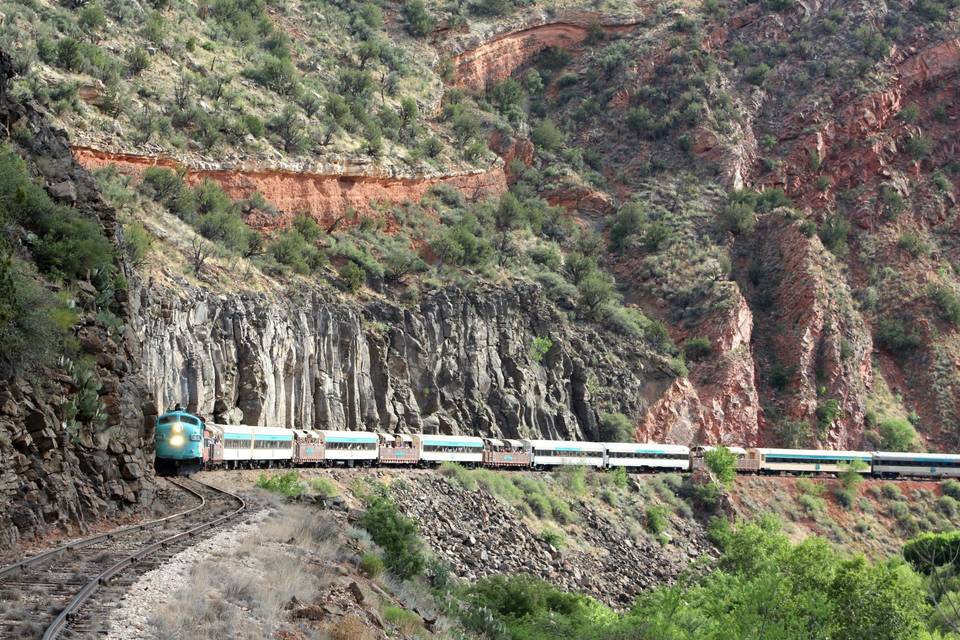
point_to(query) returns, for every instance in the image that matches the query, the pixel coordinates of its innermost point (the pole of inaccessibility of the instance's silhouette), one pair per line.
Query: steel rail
(104, 577)
(109, 535)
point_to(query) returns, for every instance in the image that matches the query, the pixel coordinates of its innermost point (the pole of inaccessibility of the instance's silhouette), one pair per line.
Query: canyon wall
(494, 57)
(324, 192)
(54, 478)
(457, 362)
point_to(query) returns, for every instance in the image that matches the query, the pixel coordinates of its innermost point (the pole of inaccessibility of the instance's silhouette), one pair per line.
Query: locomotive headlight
(176, 440)
(177, 427)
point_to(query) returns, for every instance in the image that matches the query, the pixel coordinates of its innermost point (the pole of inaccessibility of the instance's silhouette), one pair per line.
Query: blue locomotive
(179, 442)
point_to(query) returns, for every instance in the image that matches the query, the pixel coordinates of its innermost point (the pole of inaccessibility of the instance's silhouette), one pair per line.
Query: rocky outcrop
(324, 191)
(812, 345)
(52, 478)
(478, 536)
(489, 59)
(718, 403)
(458, 362)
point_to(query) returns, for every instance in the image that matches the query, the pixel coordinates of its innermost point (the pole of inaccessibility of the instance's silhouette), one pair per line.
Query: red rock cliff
(324, 196)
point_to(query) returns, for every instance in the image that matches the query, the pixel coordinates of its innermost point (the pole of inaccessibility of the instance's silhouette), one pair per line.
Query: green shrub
(277, 74)
(890, 491)
(918, 146)
(553, 537)
(828, 412)
(574, 478)
(397, 535)
(541, 345)
(353, 276)
(615, 427)
(834, 233)
(946, 302)
(722, 464)
(138, 243)
(697, 348)
(812, 505)
(547, 136)
(408, 622)
(951, 487)
(287, 484)
(897, 434)
(323, 487)
(913, 244)
(458, 474)
(627, 223)
(931, 550)
(657, 521)
(896, 336)
(810, 487)
(418, 20)
(371, 564)
(756, 75)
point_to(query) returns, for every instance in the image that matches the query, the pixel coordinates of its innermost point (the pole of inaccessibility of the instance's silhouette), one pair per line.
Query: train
(186, 443)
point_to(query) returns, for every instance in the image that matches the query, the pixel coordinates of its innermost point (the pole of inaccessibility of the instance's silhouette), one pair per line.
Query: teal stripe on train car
(436, 443)
(352, 439)
(241, 436)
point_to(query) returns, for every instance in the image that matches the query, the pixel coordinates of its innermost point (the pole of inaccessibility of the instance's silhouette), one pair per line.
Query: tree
(595, 291)
(289, 126)
(397, 535)
(627, 223)
(697, 348)
(506, 94)
(722, 464)
(465, 126)
(200, 252)
(419, 21)
(353, 276)
(368, 50)
(547, 136)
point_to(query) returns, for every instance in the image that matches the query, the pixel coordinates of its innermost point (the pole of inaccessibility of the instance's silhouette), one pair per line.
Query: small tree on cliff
(722, 464)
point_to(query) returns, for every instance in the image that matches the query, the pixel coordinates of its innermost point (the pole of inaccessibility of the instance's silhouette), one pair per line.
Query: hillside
(719, 222)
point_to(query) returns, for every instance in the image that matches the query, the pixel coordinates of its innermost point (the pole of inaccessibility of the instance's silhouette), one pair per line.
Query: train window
(166, 419)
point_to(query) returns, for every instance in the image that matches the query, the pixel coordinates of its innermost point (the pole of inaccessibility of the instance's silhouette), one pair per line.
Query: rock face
(324, 192)
(52, 478)
(479, 536)
(457, 363)
(481, 64)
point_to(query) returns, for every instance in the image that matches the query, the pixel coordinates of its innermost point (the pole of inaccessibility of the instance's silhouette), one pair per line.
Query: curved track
(67, 591)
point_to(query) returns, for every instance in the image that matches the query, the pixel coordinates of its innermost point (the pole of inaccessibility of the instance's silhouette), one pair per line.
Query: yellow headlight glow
(176, 441)
(177, 427)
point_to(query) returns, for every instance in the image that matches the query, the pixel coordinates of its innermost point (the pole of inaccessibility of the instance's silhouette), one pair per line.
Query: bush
(657, 519)
(323, 487)
(913, 244)
(541, 345)
(946, 302)
(138, 243)
(547, 136)
(277, 74)
(615, 427)
(834, 233)
(918, 146)
(722, 464)
(397, 535)
(896, 336)
(286, 484)
(419, 21)
(371, 564)
(951, 487)
(628, 222)
(756, 75)
(353, 276)
(697, 348)
(828, 412)
(738, 217)
(897, 434)
(553, 537)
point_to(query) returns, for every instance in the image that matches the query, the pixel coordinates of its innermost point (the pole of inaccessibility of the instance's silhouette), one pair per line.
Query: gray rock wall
(459, 362)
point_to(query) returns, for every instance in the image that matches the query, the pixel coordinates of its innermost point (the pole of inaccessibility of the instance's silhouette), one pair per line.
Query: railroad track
(68, 592)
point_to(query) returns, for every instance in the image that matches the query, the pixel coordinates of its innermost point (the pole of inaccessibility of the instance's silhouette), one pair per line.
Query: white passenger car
(256, 444)
(935, 465)
(435, 449)
(349, 447)
(551, 453)
(637, 456)
(810, 460)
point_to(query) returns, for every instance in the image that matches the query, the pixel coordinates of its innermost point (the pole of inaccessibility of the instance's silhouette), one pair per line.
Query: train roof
(566, 445)
(826, 454)
(646, 447)
(915, 457)
(740, 451)
(446, 441)
(348, 436)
